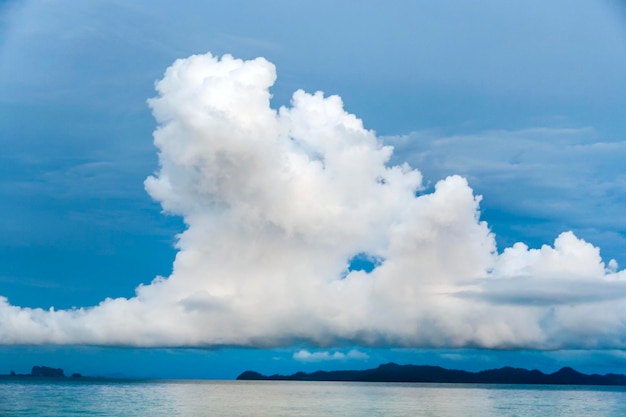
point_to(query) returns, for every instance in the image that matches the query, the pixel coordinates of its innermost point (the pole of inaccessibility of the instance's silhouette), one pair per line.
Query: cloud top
(277, 203)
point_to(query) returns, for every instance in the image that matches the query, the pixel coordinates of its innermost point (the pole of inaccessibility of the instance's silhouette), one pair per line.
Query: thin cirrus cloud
(278, 202)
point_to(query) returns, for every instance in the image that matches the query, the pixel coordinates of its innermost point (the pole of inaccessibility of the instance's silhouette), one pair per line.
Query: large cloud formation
(278, 202)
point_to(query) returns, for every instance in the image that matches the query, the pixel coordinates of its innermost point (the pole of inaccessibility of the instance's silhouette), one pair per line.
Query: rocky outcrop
(47, 372)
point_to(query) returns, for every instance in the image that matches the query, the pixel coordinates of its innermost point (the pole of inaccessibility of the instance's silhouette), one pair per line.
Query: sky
(191, 191)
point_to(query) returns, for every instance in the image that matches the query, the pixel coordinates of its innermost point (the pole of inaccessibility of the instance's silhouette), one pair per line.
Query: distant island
(392, 372)
(40, 372)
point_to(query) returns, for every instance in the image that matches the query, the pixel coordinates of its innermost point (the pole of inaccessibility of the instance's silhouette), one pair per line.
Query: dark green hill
(392, 372)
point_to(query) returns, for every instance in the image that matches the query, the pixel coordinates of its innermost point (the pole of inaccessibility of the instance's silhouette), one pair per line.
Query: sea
(295, 399)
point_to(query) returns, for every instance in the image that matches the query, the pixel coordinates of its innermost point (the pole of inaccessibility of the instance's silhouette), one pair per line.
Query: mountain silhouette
(392, 372)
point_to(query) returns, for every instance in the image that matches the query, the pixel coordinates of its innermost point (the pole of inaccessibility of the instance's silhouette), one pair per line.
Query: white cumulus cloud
(277, 203)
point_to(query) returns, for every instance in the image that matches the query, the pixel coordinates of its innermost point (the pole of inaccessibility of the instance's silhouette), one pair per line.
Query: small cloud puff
(306, 356)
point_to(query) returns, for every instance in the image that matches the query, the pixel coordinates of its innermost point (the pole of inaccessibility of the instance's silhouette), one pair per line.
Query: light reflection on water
(298, 399)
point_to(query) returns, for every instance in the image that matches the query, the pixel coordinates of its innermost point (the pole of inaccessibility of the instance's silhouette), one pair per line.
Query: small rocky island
(40, 372)
(392, 372)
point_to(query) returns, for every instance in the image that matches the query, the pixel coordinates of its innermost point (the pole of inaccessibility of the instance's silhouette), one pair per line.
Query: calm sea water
(295, 399)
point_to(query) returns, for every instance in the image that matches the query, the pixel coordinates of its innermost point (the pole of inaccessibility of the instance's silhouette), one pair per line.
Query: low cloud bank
(277, 203)
(304, 355)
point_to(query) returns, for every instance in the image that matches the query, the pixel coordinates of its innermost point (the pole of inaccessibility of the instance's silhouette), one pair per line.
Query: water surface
(296, 399)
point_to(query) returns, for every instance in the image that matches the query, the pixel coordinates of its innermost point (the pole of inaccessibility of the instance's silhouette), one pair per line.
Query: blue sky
(523, 99)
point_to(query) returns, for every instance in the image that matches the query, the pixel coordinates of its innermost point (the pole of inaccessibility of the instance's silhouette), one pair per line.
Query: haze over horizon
(307, 235)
